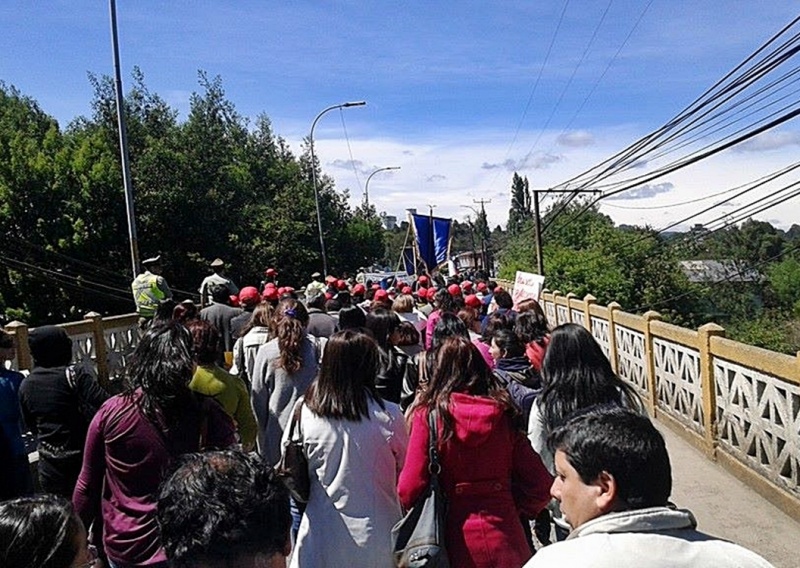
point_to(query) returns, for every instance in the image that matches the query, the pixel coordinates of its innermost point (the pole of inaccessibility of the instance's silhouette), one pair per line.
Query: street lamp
(314, 177)
(366, 185)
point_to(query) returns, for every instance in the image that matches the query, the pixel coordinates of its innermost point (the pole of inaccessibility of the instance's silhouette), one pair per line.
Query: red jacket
(491, 477)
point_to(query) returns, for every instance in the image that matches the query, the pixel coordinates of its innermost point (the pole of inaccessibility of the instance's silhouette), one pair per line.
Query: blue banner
(432, 239)
(408, 260)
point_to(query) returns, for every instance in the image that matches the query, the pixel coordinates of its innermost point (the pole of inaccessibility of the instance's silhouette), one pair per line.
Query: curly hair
(222, 504)
(290, 320)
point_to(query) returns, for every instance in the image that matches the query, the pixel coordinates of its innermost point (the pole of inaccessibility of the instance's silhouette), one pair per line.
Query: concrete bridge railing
(738, 403)
(103, 343)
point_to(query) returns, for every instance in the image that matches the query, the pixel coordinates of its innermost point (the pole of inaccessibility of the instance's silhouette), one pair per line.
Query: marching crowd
(334, 425)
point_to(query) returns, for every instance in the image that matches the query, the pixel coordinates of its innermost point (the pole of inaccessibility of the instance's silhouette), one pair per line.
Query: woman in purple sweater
(133, 439)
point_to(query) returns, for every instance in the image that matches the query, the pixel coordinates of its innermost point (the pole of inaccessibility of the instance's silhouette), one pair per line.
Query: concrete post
(20, 332)
(650, 361)
(100, 349)
(570, 297)
(708, 388)
(612, 336)
(588, 302)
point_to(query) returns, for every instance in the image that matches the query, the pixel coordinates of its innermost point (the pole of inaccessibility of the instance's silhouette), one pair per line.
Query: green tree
(519, 215)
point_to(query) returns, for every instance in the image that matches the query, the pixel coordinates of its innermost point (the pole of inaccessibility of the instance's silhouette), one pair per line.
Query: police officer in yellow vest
(150, 288)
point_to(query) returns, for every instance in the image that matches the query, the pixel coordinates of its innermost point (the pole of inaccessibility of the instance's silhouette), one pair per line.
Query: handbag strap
(295, 420)
(434, 467)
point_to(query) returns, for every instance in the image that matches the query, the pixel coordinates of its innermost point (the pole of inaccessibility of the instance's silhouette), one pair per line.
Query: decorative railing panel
(601, 332)
(758, 417)
(578, 316)
(84, 350)
(630, 356)
(120, 344)
(562, 314)
(678, 386)
(550, 312)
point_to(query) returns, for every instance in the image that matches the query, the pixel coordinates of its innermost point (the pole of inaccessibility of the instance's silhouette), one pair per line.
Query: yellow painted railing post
(650, 360)
(708, 388)
(20, 332)
(588, 302)
(100, 350)
(556, 294)
(570, 297)
(612, 336)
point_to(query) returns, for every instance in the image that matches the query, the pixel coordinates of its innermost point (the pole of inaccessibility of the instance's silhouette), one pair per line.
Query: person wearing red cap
(270, 277)
(271, 295)
(249, 298)
(473, 301)
(454, 290)
(381, 300)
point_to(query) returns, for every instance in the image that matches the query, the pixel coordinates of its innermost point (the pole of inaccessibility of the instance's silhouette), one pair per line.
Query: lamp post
(314, 177)
(366, 185)
(123, 143)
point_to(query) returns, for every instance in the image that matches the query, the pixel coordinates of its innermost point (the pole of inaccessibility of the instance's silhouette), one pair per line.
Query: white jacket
(658, 537)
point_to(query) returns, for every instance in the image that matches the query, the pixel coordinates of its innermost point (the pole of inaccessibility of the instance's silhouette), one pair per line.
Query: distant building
(711, 271)
(389, 222)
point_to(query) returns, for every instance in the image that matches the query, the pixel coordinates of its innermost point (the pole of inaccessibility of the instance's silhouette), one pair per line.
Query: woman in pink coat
(490, 474)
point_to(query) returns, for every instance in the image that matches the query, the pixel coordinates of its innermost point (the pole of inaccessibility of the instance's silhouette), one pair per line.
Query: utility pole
(484, 254)
(537, 221)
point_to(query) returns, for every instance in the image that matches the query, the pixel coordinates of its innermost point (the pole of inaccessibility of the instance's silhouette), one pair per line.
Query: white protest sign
(527, 285)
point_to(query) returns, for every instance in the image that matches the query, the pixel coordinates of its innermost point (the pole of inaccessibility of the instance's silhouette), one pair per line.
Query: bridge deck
(727, 508)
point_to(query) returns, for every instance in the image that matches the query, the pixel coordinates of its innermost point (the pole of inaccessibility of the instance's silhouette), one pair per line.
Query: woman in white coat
(355, 443)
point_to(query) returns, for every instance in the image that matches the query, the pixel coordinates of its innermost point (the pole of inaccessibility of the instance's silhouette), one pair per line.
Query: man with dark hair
(320, 324)
(220, 315)
(613, 481)
(224, 508)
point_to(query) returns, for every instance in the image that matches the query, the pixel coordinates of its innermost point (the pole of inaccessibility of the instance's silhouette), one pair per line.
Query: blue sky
(447, 83)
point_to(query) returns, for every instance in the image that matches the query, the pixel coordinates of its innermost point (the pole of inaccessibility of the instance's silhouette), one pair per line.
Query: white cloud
(435, 177)
(643, 191)
(769, 141)
(538, 161)
(576, 139)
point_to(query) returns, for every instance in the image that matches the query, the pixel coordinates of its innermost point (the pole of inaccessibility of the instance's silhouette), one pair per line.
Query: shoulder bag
(292, 469)
(418, 539)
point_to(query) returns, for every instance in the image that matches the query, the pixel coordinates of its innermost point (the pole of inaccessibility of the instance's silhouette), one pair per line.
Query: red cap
(270, 293)
(359, 289)
(431, 293)
(341, 285)
(281, 291)
(270, 272)
(405, 290)
(454, 290)
(234, 300)
(381, 295)
(482, 286)
(249, 296)
(330, 279)
(422, 279)
(473, 301)
(288, 290)
(270, 285)
(376, 286)
(466, 285)
(328, 295)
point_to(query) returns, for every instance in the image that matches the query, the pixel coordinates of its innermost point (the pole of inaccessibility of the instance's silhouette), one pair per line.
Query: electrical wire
(350, 151)
(635, 152)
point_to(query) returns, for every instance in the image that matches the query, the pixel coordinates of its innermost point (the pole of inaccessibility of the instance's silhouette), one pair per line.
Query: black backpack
(522, 395)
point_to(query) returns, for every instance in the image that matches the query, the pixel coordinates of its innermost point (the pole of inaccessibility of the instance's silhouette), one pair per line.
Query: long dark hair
(531, 324)
(162, 367)
(261, 317)
(381, 323)
(460, 367)
(346, 378)
(576, 374)
(290, 320)
(446, 303)
(206, 340)
(38, 532)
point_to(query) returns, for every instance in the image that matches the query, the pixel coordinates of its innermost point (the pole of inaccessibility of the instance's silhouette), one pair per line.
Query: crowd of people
(536, 438)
